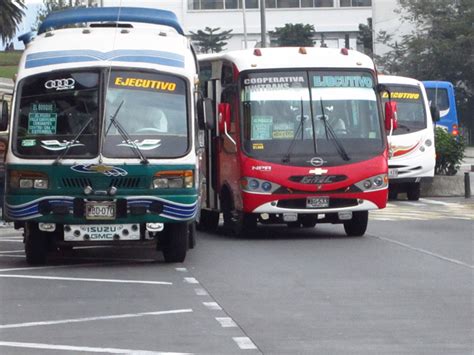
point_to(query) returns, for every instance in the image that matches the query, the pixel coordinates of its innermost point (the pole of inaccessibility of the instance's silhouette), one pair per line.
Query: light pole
(245, 23)
(263, 25)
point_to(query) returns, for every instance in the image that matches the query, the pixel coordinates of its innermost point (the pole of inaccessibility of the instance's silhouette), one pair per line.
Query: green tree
(293, 35)
(210, 40)
(11, 13)
(50, 6)
(364, 37)
(440, 48)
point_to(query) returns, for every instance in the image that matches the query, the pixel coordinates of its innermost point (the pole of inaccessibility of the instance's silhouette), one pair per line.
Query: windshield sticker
(42, 119)
(402, 95)
(258, 146)
(60, 84)
(342, 81)
(28, 142)
(145, 84)
(106, 170)
(146, 144)
(55, 145)
(283, 134)
(273, 83)
(262, 127)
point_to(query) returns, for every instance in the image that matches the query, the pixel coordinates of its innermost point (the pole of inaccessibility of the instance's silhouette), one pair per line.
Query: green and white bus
(102, 146)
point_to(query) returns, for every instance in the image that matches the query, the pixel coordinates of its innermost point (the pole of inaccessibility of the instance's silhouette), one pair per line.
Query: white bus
(412, 150)
(102, 147)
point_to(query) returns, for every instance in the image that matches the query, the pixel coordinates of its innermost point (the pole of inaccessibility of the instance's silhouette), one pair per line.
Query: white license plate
(100, 210)
(101, 232)
(392, 173)
(317, 202)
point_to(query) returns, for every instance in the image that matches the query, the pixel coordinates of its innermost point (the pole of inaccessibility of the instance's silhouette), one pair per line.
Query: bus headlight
(174, 179)
(373, 183)
(28, 180)
(249, 184)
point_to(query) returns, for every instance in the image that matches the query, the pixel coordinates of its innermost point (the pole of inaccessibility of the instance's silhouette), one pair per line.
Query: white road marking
(434, 202)
(11, 251)
(84, 348)
(214, 306)
(424, 251)
(244, 343)
(86, 279)
(11, 256)
(201, 292)
(226, 322)
(181, 269)
(90, 319)
(11, 240)
(191, 280)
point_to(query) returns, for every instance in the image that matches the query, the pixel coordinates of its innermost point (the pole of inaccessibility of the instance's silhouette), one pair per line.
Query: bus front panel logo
(60, 84)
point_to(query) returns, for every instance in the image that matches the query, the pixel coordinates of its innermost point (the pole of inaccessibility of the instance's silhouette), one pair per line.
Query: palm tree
(11, 13)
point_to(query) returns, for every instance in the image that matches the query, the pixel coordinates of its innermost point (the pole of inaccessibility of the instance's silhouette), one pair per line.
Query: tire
(36, 245)
(392, 194)
(208, 221)
(414, 191)
(236, 222)
(176, 242)
(309, 221)
(357, 226)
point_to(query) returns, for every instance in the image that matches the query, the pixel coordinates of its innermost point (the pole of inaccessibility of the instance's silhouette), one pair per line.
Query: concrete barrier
(444, 186)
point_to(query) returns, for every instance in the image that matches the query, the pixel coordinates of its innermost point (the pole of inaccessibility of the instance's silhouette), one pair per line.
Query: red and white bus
(296, 136)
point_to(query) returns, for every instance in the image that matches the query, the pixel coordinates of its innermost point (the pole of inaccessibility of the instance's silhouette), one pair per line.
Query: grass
(8, 63)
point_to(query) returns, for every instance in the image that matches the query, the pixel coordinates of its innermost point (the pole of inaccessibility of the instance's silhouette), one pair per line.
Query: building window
(269, 4)
(355, 3)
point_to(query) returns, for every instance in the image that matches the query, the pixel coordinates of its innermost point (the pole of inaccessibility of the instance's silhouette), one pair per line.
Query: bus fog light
(47, 227)
(345, 215)
(428, 142)
(154, 227)
(265, 216)
(422, 149)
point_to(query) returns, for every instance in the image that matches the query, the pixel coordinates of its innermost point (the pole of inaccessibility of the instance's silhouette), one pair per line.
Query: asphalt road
(404, 288)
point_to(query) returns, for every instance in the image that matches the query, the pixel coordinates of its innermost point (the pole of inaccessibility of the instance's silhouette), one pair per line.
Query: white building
(336, 21)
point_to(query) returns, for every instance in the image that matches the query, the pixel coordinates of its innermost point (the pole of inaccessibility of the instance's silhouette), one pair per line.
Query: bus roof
(395, 79)
(100, 47)
(293, 57)
(437, 84)
(111, 14)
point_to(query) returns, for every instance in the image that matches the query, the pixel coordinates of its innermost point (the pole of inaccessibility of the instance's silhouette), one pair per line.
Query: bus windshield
(152, 113)
(291, 114)
(438, 98)
(53, 109)
(411, 112)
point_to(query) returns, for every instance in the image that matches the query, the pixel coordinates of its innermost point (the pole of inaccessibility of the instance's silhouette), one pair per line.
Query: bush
(449, 152)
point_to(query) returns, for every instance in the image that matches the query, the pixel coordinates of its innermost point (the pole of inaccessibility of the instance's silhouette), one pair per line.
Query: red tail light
(455, 131)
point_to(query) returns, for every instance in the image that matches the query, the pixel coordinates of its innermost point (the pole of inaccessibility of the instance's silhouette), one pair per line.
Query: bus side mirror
(224, 118)
(205, 114)
(391, 115)
(435, 115)
(3, 115)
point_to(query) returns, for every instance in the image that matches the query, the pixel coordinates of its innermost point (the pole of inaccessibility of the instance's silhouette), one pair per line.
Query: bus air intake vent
(125, 183)
(76, 182)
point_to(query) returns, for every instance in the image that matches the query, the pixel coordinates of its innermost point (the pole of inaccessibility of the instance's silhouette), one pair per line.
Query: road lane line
(11, 240)
(84, 348)
(201, 292)
(226, 322)
(424, 251)
(86, 279)
(181, 269)
(90, 319)
(12, 251)
(434, 202)
(11, 256)
(244, 343)
(214, 306)
(191, 280)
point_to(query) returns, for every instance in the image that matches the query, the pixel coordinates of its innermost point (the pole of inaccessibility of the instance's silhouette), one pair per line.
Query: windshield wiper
(330, 132)
(128, 140)
(286, 158)
(76, 137)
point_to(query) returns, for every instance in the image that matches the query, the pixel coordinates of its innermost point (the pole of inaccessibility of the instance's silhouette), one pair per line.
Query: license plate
(101, 232)
(100, 210)
(392, 173)
(317, 202)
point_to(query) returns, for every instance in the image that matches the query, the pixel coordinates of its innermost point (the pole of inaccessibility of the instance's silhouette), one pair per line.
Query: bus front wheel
(175, 242)
(36, 244)
(357, 226)
(414, 191)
